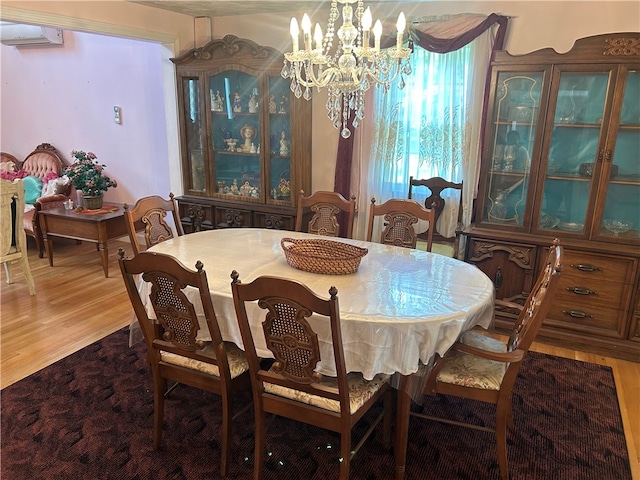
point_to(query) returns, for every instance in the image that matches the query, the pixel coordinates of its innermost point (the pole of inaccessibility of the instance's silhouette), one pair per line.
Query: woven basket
(322, 256)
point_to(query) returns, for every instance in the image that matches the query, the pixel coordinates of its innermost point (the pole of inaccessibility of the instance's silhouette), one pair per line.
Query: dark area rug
(89, 416)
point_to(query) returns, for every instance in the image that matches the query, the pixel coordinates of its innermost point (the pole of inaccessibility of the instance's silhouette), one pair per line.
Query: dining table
(398, 310)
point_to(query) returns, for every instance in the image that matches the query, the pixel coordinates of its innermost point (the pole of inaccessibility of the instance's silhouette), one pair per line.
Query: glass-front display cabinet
(246, 141)
(561, 159)
(516, 109)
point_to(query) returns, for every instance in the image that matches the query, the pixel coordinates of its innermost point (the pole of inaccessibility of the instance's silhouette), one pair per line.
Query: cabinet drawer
(195, 217)
(586, 317)
(598, 268)
(232, 217)
(274, 221)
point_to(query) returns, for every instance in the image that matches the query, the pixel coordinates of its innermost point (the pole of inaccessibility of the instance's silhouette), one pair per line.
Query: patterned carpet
(89, 416)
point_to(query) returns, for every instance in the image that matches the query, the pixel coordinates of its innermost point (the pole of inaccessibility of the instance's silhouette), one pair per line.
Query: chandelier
(352, 68)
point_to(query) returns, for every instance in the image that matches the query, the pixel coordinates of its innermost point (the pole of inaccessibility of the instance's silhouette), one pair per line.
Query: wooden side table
(90, 227)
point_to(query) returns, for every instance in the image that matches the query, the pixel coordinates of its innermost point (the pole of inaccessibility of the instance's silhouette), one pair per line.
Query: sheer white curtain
(430, 128)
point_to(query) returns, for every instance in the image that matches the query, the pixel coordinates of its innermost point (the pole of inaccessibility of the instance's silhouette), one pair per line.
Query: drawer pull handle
(582, 291)
(586, 267)
(577, 314)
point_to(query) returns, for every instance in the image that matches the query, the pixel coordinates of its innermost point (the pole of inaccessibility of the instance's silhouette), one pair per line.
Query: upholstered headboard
(42, 160)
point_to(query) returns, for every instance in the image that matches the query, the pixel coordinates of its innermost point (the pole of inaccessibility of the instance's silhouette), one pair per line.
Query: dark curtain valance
(445, 45)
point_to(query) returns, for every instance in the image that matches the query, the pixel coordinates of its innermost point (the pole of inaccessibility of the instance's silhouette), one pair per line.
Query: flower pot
(92, 202)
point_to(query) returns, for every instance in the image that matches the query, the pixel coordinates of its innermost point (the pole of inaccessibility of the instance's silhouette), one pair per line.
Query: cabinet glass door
(235, 136)
(192, 117)
(279, 153)
(573, 150)
(621, 216)
(513, 129)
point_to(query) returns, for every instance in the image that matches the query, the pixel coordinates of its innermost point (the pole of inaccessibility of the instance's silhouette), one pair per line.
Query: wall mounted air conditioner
(22, 35)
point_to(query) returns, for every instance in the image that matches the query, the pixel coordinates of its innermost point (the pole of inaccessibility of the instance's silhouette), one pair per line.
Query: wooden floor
(75, 306)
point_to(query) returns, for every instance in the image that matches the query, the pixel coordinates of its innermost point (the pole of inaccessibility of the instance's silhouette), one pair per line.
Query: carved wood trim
(622, 46)
(229, 46)
(521, 256)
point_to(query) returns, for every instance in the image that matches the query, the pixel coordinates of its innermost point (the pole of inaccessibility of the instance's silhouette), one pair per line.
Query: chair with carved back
(445, 245)
(43, 161)
(13, 239)
(149, 214)
(291, 387)
(328, 209)
(399, 217)
(179, 347)
(481, 367)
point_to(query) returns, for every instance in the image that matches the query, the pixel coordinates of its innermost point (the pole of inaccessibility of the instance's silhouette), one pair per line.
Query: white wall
(64, 95)
(133, 152)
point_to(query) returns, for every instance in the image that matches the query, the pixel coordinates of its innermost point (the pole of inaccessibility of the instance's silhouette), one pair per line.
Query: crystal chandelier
(352, 68)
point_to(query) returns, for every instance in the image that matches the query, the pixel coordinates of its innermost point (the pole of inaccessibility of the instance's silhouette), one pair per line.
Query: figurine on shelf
(221, 186)
(253, 148)
(254, 192)
(283, 104)
(231, 144)
(237, 107)
(284, 146)
(234, 187)
(272, 104)
(217, 104)
(245, 189)
(284, 189)
(248, 132)
(253, 103)
(516, 156)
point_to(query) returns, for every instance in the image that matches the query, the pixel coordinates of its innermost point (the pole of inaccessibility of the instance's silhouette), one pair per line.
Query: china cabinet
(561, 159)
(245, 139)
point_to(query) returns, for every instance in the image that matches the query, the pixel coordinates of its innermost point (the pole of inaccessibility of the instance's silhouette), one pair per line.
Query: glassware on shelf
(617, 226)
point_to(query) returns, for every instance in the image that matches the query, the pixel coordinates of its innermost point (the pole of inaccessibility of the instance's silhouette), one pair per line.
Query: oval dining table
(398, 310)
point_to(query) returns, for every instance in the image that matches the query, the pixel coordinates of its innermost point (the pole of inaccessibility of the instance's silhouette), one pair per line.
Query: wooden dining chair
(480, 367)
(435, 186)
(13, 238)
(333, 215)
(149, 214)
(399, 217)
(179, 348)
(291, 387)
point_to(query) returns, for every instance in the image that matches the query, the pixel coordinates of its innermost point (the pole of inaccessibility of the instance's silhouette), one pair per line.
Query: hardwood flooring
(75, 306)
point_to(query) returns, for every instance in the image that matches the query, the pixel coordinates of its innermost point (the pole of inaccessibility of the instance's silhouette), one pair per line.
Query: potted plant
(87, 176)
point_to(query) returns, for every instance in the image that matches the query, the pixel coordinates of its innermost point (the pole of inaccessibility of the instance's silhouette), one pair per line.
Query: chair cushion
(237, 361)
(32, 188)
(360, 390)
(471, 371)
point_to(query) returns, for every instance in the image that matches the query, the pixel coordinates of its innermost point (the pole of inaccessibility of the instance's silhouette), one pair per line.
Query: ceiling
(224, 8)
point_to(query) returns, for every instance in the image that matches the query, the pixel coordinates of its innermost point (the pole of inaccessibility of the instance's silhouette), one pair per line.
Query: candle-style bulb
(317, 36)
(367, 19)
(293, 28)
(377, 33)
(402, 23)
(295, 31)
(306, 24)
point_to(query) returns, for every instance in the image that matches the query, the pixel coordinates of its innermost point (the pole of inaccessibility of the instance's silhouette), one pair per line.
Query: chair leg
(258, 461)
(8, 271)
(388, 418)
(502, 412)
(38, 237)
(159, 386)
(226, 435)
(26, 270)
(345, 453)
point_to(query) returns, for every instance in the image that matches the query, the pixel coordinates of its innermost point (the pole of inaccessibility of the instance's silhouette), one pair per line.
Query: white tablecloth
(401, 307)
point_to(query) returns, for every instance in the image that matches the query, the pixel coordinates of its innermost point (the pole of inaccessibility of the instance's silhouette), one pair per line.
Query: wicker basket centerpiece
(322, 256)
